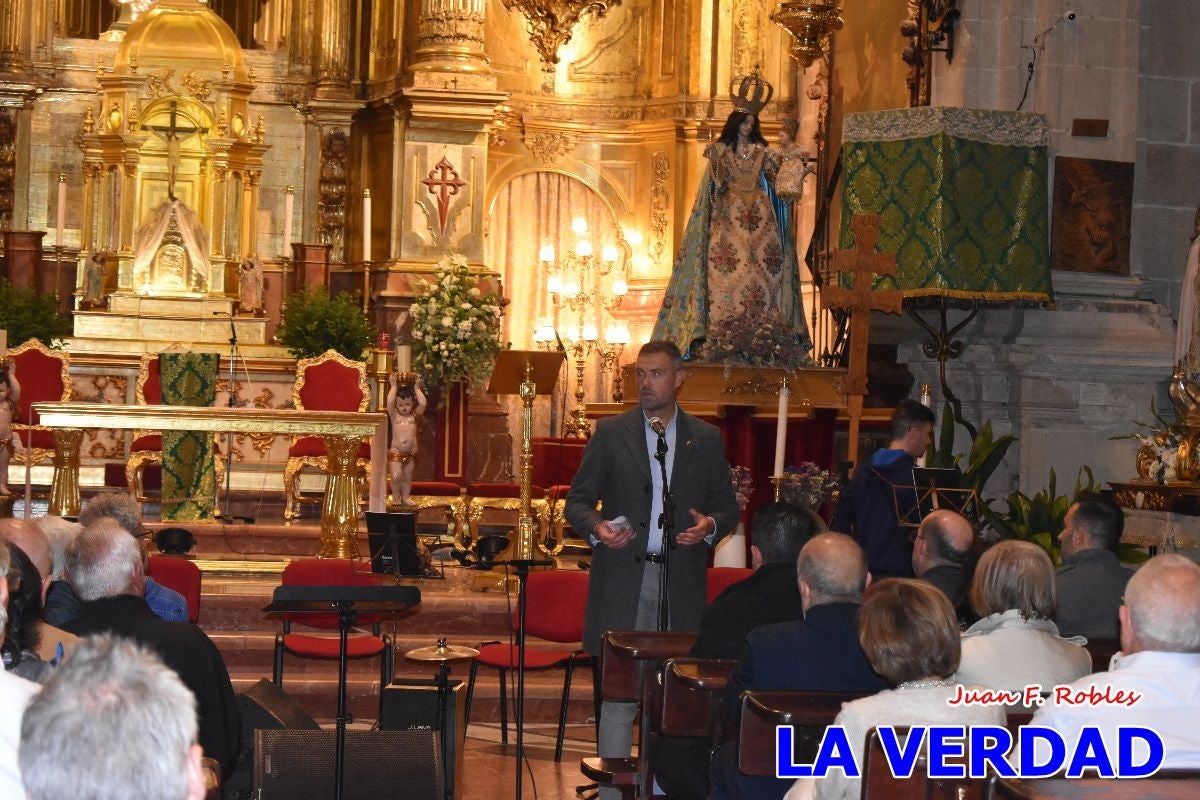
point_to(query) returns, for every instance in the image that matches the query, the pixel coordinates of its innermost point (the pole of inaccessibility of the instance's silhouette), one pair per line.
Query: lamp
(550, 22)
(616, 336)
(581, 291)
(810, 24)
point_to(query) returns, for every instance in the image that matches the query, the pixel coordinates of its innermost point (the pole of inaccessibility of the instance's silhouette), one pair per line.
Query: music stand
(348, 602)
(392, 540)
(932, 490)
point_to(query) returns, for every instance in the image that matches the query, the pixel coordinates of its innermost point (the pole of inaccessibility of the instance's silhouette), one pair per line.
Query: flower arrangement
(455, 326)
(808, 486)
(757, 339)
(1160, 447)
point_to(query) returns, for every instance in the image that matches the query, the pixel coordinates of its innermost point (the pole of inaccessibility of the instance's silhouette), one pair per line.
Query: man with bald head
(1159, 660)
(944, 540)
(53, 642)
(817, 653)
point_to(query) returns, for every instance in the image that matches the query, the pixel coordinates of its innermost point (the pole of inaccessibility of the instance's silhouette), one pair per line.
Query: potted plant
(313, 322)
(25, 315)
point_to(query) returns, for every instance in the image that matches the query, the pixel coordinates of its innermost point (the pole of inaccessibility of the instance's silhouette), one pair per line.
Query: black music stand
(348, 602)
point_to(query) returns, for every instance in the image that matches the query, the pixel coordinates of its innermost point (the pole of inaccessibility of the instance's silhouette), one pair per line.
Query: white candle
(62, 209)
(366, 247)
(289, 204)
(781, 430)
(403, 358)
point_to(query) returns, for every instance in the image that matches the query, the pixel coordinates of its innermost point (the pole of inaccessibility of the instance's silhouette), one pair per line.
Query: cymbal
(442, 652)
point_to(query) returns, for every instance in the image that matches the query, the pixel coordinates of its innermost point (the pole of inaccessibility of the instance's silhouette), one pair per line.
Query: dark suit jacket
(187, 650)
(615, 472)
(769, 596)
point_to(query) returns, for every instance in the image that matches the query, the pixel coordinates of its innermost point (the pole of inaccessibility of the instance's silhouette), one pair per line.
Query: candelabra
(581, 294)
(616, 336)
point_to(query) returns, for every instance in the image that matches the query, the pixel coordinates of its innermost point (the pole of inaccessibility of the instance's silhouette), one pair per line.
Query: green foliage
(312, 323)
(982, 459)
(25, 314)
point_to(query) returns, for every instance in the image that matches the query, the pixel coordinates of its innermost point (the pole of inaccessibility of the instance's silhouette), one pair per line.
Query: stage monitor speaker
(379, 765)
(265, 705)
(411, 704)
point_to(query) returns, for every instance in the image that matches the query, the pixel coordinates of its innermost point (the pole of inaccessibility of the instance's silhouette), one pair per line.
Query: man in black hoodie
(869, 508)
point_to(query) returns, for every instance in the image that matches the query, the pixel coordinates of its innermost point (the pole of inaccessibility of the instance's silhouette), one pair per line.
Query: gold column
(86, 236)
(128, 195)
(217, 245)
(248, 238)
(333, 49)
(450, 36)
(339, 508)
(64, 492)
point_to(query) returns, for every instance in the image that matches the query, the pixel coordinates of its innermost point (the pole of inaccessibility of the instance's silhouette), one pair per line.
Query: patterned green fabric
(189, 481)
(966, 217)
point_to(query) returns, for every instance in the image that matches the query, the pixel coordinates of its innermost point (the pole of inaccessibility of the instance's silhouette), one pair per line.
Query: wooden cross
(862, 262)
(444, 179)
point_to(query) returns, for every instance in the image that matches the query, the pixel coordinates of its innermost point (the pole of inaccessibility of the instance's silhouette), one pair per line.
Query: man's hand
(703, 527)
(613, 539)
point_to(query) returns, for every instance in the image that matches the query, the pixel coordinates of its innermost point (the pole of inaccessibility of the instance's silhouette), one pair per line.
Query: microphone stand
(668, 537)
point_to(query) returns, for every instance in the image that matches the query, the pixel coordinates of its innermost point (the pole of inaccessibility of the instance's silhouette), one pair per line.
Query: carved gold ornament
(550, 22)
(810, 25)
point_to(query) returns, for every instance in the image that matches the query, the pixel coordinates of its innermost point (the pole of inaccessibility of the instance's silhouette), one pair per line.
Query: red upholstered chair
(332, 572)
(180, 574)
(555, 608)
(720, 578)
(44, 375)
(328, 382)
(147, 445)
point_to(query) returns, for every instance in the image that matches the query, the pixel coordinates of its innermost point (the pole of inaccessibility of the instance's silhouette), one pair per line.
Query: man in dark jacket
(818, 653)
(770, 595)
(1091, 580)
(870, 509)
(105, 568)
(940, 556)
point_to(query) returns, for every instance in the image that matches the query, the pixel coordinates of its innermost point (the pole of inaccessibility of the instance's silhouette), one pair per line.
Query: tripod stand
(234, 354)
(522, 567)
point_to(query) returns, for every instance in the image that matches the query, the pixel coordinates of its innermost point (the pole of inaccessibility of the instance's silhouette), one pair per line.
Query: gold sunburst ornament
(810, 25)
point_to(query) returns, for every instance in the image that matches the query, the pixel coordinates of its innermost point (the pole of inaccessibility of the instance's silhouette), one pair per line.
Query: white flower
(474, 291)
(447, 321)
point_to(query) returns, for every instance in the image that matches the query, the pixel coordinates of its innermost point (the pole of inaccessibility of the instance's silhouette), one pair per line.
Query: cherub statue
(794, 163)
(10, 394)
(1185, 395)
(405, 404)
(93, 280)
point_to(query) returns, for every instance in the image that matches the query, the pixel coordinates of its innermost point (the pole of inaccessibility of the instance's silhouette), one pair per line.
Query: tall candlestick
(366, 242)
(781, 429)
(289, 204)
(62, 208)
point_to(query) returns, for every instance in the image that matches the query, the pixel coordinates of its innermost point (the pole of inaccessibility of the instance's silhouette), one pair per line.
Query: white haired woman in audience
(114, 721)
(1016, 643)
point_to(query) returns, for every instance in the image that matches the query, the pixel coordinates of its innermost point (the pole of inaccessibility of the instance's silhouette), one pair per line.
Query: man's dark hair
(780, 530)
(910, 414)
(1103, 520)
(24, 607)
(670, 349)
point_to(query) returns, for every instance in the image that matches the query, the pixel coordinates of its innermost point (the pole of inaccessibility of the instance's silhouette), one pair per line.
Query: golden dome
(182, 33)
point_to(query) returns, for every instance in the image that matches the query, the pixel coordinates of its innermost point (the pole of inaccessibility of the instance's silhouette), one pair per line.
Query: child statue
(794, 163)
(250, 286)
(10, 394)
(406, 405)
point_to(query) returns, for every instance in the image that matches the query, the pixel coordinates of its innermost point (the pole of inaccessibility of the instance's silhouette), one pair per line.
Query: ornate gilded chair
(554, 518)
(450, 497)
(483, 496)
(328, 382)
(44, 375)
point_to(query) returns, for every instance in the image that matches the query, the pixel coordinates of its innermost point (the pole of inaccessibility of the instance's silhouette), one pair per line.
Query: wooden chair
(809, 713)
(1102, 651)
(44, 375)
(147, 445)
(719, 579)
(879, 783)
(690, 701)
(180, 574)
(556, 603)
(332, 572)
(328, 382)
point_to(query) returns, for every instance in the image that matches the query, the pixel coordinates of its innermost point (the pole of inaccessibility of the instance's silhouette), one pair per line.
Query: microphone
(657, 426)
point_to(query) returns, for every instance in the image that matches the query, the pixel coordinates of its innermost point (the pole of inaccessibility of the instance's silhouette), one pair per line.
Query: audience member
(60, 532)
(908, 631)
(769, 595)
(1160, 660)
(24, 606)
(61, 603)
(868, 508)
(820, 652)
(113, 722)
(52, 642)
(940, 552)
(15, 693)
(105, 568)
(1091, 580)
(1016, 643)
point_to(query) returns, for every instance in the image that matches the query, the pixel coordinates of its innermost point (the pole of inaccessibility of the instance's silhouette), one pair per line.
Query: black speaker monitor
(393, 542)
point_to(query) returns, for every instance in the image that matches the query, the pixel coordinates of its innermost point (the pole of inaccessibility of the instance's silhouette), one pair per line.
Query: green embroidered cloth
(189, 484)
(962, 198)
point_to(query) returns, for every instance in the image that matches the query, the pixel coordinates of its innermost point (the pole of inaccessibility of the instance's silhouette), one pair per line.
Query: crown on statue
(750, 93)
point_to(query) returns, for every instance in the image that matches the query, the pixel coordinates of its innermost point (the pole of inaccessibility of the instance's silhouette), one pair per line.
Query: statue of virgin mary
(736, 269)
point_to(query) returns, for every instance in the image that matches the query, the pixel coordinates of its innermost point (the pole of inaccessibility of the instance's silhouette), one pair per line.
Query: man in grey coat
(629, 555)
